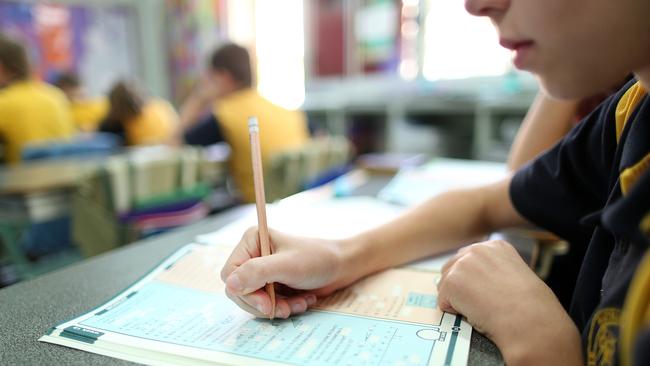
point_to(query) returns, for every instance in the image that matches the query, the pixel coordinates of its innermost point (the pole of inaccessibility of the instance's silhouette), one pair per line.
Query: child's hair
(66, 80)
(13, 58)
(126, 101)
(236, 61)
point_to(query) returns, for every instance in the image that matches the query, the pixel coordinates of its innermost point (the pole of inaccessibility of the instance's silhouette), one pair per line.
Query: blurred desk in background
(57, 210)
(37, 192)
(37, 177)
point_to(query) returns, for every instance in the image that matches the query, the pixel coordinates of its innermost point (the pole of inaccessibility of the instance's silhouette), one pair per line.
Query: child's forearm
(441, 224)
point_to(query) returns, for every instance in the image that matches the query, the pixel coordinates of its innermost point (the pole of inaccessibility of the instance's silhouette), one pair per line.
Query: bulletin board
(197, 28)
(97, 42)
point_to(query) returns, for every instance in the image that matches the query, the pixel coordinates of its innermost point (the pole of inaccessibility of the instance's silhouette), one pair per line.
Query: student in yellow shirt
(31, 112)
(230, 94)
(87, 113)
(137, 119)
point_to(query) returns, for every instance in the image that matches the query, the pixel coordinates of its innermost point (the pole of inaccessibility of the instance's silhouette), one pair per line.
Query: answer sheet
(179, 314)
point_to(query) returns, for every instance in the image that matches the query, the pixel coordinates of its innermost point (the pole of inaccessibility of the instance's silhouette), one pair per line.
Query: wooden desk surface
(44, 176)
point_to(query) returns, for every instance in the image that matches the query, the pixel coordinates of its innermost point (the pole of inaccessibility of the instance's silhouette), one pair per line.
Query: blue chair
(99, 144)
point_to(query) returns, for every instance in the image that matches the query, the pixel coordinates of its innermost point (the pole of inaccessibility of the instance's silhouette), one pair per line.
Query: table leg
(9, 236)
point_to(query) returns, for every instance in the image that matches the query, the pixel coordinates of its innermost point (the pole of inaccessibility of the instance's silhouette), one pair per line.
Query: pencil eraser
(253, 125)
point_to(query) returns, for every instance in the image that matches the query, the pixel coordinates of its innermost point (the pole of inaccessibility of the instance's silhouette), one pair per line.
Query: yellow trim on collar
(626, 106)
(631, 175)
(645, 225)
(624, 109)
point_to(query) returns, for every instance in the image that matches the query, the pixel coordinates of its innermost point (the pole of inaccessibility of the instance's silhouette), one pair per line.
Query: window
(279, 35)
(459, 45)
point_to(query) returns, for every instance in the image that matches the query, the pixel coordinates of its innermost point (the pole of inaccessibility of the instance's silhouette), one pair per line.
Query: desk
(47, 184)
(30, 308)
(43, 176)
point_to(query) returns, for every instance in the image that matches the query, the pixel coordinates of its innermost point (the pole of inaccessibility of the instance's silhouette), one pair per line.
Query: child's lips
(514, 45)
(521, 49)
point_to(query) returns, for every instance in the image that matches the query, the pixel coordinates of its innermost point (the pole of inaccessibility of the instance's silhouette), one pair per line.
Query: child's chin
(565, 90)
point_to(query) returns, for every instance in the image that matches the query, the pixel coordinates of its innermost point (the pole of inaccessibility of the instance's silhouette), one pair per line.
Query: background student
(31, 112)
(137, 119)
(592, 189)
(87, 113)
(229, 95)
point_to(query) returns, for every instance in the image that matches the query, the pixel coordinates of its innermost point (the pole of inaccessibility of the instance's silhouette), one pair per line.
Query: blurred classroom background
(379, 82)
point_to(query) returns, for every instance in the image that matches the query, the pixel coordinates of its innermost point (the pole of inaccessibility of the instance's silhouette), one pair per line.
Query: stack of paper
(412, 186)
(169, 217)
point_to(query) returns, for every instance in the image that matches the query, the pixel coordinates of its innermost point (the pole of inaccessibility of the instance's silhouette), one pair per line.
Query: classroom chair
(143, 192)
(98, 144)
(53, 236)
(294, 170)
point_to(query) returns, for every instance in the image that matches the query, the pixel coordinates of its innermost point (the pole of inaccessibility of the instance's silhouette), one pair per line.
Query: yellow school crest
(603, 335)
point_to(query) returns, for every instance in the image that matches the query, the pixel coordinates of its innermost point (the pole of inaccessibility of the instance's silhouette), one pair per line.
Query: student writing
(592, 189)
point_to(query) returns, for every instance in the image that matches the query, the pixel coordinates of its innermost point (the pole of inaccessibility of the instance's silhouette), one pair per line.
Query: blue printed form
(180, 310)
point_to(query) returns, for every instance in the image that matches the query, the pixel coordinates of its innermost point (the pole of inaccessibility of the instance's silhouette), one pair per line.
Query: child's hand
(491, 285)
(302, 269)
(206, 90)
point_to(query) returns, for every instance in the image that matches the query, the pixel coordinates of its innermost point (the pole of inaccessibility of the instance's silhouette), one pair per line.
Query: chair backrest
(152, 187)
(290, 171)
(156, 175)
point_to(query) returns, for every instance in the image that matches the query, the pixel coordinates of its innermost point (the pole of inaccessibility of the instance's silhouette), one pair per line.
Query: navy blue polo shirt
(593, 189)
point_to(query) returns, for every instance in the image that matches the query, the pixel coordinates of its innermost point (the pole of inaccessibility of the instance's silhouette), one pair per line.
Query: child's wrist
(354, 260)
(530, 345)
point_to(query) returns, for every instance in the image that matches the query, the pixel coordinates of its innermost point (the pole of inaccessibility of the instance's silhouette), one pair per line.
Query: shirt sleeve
(570, 183)
(206, 132)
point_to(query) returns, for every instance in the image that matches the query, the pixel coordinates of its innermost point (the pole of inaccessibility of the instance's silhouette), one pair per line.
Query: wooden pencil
(260, 200)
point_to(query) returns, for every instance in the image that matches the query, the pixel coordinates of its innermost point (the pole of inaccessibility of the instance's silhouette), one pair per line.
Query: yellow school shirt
(154, 125)
(280, 129)
(32, 112)
(88, 114)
